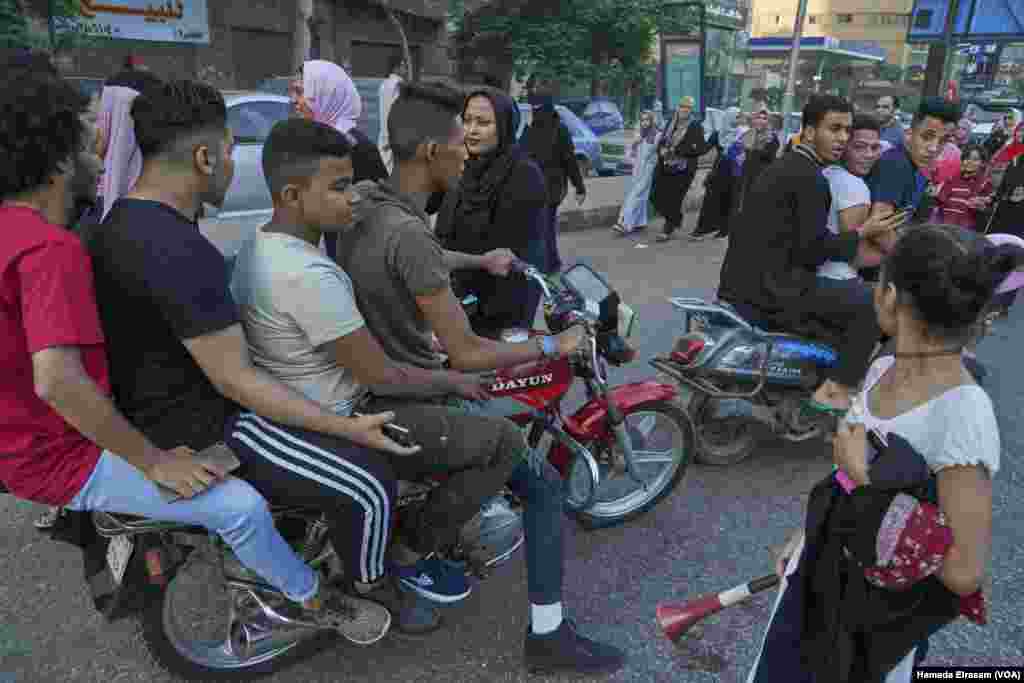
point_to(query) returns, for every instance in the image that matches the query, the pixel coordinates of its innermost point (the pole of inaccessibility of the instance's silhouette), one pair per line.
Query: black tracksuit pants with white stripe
(354, 485)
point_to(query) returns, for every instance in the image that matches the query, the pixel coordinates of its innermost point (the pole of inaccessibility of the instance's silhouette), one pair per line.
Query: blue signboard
(172, 21)
(976, 19)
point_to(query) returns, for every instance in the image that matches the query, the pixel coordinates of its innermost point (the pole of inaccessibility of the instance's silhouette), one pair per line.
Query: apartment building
(884, 22)
(247, 41)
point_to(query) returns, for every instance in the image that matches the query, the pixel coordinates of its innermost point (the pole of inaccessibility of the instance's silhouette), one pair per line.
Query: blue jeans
(542, 524)
(232, 508)
(539, 485)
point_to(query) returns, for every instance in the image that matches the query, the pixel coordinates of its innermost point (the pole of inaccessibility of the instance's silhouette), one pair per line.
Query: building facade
(879, 21)
(251, 40)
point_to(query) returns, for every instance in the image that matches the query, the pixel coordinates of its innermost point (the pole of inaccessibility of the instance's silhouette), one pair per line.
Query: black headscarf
(541, 141)
(485, 174)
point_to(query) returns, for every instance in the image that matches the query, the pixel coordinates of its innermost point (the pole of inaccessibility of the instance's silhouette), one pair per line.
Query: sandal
(621, 229)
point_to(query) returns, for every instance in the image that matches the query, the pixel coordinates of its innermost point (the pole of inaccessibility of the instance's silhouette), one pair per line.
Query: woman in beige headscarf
(679, 149)
(760, 148)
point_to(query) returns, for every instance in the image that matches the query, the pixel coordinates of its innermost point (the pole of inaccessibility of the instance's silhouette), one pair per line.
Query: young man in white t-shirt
(851, 198)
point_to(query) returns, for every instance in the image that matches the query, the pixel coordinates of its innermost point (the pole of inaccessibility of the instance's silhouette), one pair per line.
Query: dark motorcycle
(205, 617)
(739, 376)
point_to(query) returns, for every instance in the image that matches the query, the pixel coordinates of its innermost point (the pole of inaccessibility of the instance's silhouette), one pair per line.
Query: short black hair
(395, 63)
(820, 105)
(936, 108)
(140, 81)
(949, 275)
(422, 113)
(294, 148)
(492, 81)
(40, 128)
(172, 114)
(866, 122)
(969, 148)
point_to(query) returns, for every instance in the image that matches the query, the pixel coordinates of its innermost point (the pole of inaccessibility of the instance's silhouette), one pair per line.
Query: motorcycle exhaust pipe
(257, 630)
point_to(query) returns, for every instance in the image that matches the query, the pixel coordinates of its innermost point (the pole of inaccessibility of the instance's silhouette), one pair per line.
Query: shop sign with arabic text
(173, 21)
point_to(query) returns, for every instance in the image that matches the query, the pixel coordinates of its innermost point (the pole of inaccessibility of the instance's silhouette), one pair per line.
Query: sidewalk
(604, 201)
(600, 211)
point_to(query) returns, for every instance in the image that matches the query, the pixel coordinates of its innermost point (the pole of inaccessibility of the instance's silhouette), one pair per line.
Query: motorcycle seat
(119, 524)
(768, 324)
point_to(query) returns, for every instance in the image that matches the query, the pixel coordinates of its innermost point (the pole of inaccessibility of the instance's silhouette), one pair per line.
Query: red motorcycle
(628, 446)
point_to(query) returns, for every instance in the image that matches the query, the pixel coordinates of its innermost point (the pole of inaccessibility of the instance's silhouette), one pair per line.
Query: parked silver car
(247, 205)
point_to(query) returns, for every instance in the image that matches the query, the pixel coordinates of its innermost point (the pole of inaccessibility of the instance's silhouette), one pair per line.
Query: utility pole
(794, 58)
(947, 40)
(303, 38)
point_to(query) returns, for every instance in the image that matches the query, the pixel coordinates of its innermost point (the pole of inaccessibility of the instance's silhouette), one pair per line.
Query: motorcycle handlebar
(531, 273)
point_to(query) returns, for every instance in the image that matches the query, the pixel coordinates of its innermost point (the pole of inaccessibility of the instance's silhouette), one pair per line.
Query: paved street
(713, 533)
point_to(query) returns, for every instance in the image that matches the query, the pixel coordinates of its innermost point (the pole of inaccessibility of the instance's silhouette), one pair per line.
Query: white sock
(545, 618)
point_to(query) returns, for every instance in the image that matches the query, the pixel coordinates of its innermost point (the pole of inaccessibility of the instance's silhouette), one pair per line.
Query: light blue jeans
(233, 509)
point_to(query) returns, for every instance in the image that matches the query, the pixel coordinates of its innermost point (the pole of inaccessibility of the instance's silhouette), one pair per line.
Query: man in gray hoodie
(401, 276)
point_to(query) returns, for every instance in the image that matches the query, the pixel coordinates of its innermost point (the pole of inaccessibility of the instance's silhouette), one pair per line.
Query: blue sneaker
(435, 580)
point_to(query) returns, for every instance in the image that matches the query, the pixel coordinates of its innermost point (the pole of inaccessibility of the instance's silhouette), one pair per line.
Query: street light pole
(947, 39)
(794, 58)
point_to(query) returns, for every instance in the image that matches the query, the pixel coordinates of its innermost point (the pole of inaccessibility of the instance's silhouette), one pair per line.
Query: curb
(575, 220)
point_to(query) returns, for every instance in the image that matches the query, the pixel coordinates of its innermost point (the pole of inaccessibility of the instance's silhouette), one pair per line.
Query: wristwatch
(548, 347)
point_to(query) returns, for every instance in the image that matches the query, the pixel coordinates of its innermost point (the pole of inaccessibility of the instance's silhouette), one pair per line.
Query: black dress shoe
(565, 650)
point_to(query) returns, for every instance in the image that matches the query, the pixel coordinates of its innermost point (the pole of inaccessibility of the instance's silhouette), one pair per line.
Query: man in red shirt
(59, 428)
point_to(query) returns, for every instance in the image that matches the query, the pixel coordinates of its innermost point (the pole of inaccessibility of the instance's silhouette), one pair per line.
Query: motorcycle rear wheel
(602, 514)
(720, 443)
(178, 648)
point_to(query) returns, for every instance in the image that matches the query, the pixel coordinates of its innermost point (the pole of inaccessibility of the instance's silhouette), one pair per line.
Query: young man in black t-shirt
(180, 366)
(782, 238)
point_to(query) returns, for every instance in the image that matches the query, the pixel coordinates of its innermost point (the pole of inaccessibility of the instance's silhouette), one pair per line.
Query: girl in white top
(934, 287)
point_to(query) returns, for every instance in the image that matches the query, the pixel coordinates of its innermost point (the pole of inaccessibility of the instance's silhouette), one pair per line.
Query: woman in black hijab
(499, 203)
(549, 143)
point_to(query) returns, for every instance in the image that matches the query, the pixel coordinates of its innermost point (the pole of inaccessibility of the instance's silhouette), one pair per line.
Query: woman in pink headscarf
(122, 160)
(324, 93)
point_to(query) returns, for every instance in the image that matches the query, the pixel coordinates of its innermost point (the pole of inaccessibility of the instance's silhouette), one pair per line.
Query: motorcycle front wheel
(187, 631)
(662, 441)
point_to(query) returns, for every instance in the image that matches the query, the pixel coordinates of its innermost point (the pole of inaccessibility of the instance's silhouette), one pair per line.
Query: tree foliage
(17, 31)
(578, 41)
(14, 31)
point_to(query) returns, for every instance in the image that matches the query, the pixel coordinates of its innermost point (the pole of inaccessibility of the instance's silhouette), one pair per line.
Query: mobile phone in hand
(396, 433)
(218, 456)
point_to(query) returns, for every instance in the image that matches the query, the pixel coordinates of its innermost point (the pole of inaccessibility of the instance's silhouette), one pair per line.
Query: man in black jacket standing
(770, 268)
(549, 143)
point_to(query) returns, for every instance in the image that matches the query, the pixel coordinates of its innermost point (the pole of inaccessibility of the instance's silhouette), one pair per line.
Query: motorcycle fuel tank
(793, 361)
